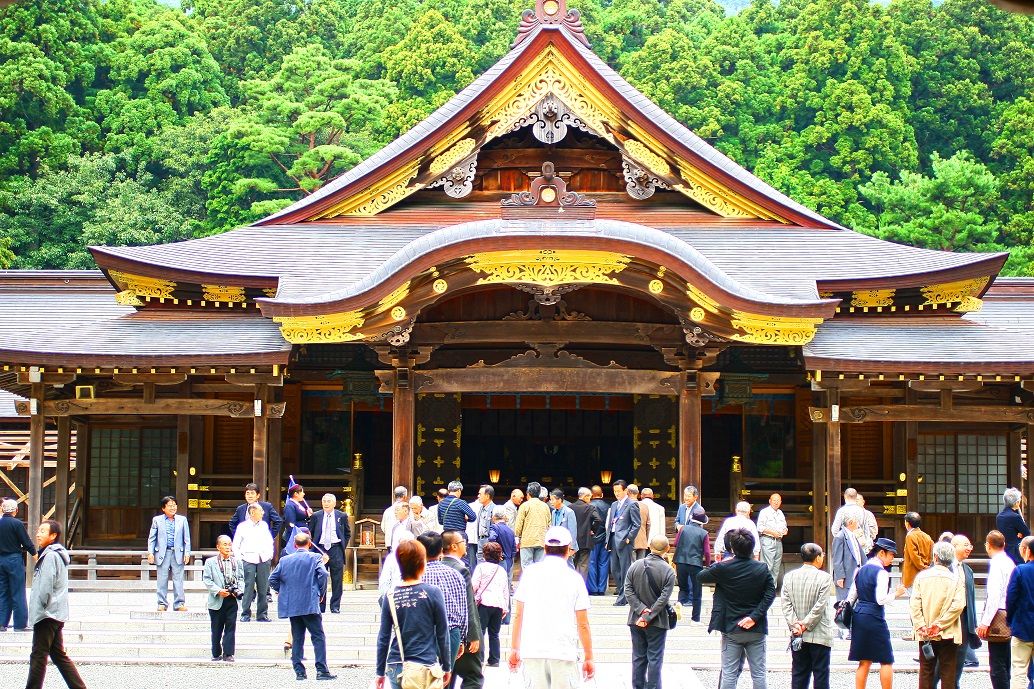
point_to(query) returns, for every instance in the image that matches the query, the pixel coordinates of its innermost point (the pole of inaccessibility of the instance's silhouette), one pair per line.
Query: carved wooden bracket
(276, 411)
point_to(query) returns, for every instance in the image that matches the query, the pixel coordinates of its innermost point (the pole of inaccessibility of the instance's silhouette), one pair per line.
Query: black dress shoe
(263, 619)
(244, 618)
(300, 676)
(325, 676)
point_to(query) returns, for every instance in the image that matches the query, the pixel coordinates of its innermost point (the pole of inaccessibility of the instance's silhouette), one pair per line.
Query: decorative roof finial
(548, 192)
(551, 12)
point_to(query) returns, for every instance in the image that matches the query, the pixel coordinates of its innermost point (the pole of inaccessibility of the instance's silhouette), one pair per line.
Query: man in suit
(648, 588)
(743, 593)
(847, 556)
(970, 640)
(468, 665)
(1019, 614)
(623, 522)
(562, 515)
(690, 508)
(168, 547)
(918, 550)
(599, 560)
(331, 533)
(807, 611)
(641, 543)
(588, 524)
(1011, 524)
(269, 513)
(301, 580)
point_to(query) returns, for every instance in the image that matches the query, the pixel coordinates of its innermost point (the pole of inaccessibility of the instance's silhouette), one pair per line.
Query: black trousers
(647, 656)
(468, 666)
(47, 640)
(1001, 661)
(491, 621)
(811, 661)
(690, 590)
(224, 627)
(580, 560)
(336, 568)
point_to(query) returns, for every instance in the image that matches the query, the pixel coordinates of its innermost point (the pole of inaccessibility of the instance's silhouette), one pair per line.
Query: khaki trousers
(1021, 655)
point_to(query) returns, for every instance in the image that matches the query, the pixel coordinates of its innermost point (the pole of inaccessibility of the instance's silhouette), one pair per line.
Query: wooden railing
(113, 564)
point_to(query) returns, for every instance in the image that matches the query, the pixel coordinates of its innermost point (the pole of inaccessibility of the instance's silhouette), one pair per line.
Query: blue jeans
(393, 673)
(314, 625)
(599, 569)
(12, 591)
(531, 555)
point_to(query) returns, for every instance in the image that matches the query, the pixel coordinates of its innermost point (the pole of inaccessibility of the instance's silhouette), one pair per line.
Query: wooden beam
(923, 412)
(833, 457)
(576, 380)
(25, 378)
(254, 379)
(260, 441)
(690, 471)
(152, 378)
(582, 332)
(844, 385)
(819, 515)
(941, 385)
(403, 422)
(62, 469)
(37, 431)
(911, 457)
(126, 407)
(274, 469)
(183, 463)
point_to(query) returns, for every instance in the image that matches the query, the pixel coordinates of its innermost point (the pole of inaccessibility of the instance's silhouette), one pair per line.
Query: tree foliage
(126, 121)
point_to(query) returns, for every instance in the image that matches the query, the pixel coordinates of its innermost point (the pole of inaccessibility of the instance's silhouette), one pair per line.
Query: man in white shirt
(740, 520)
(401, 494)
(772, 528)
(253, 544)
(998, 574)
(552, 603)
(428, 518)
(658, 523)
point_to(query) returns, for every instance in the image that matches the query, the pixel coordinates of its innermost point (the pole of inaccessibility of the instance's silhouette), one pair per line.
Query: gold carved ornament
(641, 153)
(548, 267)
(333, 328)
(773, 330)
(447, 160)
(872, 298)
(962, 292)
(381, 194)
(141, 286)
(395, 297)
(219, 293)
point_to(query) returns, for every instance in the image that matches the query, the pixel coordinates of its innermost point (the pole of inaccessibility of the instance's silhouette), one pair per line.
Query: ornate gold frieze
(395, 297)
(128, 298)
(642, 154)
(447, 160)
(872, 298)
(952, 292)
(381, 194)
(270, 292)
(143, 286)
(220, 293)
(969, 304)
(331, 328)
(548, 267)
(773, 330)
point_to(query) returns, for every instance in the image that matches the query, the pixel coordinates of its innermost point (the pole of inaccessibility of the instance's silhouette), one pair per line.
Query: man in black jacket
(330, 536)
(968, 619)
(1010, 523)
(468, 665)
(14, 544)
(589, 524)
(269, 513)
(648, 588)
(743, 593)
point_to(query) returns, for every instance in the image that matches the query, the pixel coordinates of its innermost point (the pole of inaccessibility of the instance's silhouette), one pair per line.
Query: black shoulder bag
(669, 609)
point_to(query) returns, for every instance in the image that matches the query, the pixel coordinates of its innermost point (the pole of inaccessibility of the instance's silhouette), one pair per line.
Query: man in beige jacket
(642, 539)
(533, 518)
(938, 598)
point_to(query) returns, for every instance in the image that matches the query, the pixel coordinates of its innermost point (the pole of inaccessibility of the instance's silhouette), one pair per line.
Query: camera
(236, 590)
(927, 649)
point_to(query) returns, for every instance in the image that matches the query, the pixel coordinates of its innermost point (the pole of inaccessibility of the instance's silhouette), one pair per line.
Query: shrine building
(548, 279)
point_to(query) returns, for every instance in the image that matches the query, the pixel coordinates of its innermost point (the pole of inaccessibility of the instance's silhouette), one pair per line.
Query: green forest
(130, 122)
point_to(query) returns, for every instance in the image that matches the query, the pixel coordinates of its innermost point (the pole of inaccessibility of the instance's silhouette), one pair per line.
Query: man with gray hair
(331, 533)
(938, 599)
(1010, 523)
(453, 513)
(690, 508)
(14, 544)
(739, 520)
(401, 494)
(658, 522)
(588, 523)
(649, 584)
(423, 519)
(809, 615)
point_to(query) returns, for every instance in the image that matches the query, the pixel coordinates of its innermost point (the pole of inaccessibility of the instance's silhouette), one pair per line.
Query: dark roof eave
(86, 360)
(108, 260)
(983, 265)
(877, 366)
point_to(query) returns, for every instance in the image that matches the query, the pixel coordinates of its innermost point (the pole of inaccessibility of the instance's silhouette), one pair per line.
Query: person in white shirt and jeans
(553, 604)
(253, 544)
(997, 587)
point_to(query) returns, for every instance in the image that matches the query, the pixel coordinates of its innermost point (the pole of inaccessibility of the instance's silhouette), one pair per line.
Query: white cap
(557, 536)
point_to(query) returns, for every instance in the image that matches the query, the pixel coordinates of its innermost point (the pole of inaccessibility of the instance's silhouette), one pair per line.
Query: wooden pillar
(1028, 496)
(899, 450)
(403, 419)
(183, 464)
(689, 441)
(275, 466)
(64, 461)
(833, 464)
(260, 441)
(820, 516)
(34, 496)
(911, 456)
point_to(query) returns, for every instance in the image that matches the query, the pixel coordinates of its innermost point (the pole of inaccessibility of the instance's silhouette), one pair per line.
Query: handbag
(673, 618)
(844, 615)
(414, 675)
(998, 630)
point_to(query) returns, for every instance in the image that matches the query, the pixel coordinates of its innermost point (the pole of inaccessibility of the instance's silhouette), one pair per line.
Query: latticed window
(131, 467)
(962, 473)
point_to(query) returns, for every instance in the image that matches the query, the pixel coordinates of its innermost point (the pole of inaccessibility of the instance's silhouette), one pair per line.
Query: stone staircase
(124, 627)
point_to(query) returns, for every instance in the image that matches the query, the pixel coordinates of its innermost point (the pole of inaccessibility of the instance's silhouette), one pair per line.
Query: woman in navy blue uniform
(870, 637)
